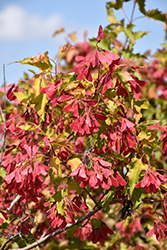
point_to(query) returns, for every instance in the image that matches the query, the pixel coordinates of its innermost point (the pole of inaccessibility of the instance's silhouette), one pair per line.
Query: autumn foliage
(85, 154)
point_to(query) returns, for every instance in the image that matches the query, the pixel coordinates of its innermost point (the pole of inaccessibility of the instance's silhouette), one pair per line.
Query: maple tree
(84, 146)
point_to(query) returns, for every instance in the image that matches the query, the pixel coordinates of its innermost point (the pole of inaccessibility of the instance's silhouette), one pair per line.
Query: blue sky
(26, 28)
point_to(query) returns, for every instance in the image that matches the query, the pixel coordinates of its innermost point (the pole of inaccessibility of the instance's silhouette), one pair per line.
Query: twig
(92, 198)
(51, 235)
(131, 19)
(3, 116)
(10, 239)
(18, 197)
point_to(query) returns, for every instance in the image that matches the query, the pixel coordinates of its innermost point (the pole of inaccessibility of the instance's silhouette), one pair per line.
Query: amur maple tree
(84, 146)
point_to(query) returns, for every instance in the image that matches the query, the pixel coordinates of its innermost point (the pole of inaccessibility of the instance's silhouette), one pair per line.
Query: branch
(18, 197)
(10, 239)
(58, 231)
(3, 116)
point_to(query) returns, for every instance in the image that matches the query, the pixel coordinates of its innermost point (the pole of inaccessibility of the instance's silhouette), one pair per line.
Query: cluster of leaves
(85, 144)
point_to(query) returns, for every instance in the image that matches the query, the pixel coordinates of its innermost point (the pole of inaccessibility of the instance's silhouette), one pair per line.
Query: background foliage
(84, 145)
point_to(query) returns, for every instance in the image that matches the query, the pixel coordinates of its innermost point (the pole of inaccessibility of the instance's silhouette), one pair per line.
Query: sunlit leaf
(73, 36)
(135, 167)
(60, 30)
(74, 163)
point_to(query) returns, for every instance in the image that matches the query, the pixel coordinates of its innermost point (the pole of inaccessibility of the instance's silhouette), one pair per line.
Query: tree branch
(3, 116)
(58, 231)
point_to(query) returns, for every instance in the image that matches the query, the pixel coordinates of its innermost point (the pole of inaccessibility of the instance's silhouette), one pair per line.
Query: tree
(83, 157)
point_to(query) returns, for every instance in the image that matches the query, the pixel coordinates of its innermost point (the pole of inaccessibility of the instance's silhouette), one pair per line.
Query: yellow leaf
(60, 30)
(73, 36)
(41, 111)
(66, 48)
(36, 86)
(55, 165)
(74, 163)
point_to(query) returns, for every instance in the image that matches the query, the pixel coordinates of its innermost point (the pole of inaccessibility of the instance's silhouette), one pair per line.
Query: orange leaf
(74, 163)
(73, 36)
(60, 30)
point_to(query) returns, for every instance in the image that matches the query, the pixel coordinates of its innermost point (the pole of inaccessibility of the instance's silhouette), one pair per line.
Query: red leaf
(100, 117)
(150, 233)
(18, 176)
(101, 34)
(75, 172)
(121, 181)
(104, 163)
(107, 85)
(8, 178)
(63, 98)
(68, 107)
(93, 181)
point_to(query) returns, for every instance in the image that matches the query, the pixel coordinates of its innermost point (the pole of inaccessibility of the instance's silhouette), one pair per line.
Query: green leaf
(28, 127)
(41, 101)
(148, 150)
(96, 223)
(129, 33)
(106, 203)
(164, 45)
(137, 196)
(70, 231)
(143, 104)
(135, 167)
(116, 5)
(111, 17)
(23, 96)
(140, 34)
(123, 76)
(40, 61)
(155, 14)
(60, 208)
(2, 172)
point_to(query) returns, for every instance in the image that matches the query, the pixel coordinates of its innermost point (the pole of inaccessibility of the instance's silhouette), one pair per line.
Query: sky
(26, 28)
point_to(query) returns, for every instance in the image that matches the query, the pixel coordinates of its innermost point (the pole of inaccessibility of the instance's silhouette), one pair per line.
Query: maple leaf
(101, 34)
(159, 230)
(51, 90)
(151, 181)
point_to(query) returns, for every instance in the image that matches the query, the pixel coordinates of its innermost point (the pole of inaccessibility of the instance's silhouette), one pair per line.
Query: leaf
(36, 86)
(40, 108)
(116, 5)
(148, 150)
(123, 76)
(40, 61)
(135, 168)
(66, 48)
(54, 163)
(2, 172)
(106, 203)
(74, 163)
(60, 207)
(137, 196)
(111, 17)
(96, 223)
(73, 36)
(155, 14)
(60, 30)
(23, 96)
(101, 34)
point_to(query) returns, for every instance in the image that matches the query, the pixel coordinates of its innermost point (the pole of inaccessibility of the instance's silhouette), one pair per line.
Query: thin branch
(10, 239)
(133, 10)
(131, 19)
(3, 116)
(91, 197)
(126, 15)
(138, 18)
(51, 235)
(18, 197)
